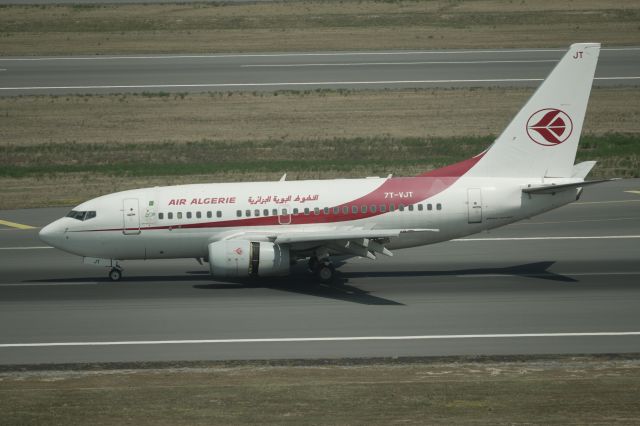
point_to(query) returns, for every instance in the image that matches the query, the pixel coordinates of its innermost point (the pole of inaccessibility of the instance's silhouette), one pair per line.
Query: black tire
(326, 273)
(115, 274)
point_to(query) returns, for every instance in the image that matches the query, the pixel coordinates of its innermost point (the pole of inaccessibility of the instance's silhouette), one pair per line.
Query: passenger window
(410, 206)
(188, 215)
(239, 213)
(326, 210)
(439, 206)
(169, 215)
(275, 212)
(392, 207)
(218, 213)
(179, 215)
(284, 212)
(316, 211)
(247, 213)
(373, 208)
(354, 209)
(363, 209)
(420, 207)
(306, 211)
(345, 210)
(295, 210)
(198, 215)
(401, 207)
(209, 214)
(265, 212)
(383, 208)
(336, 210)
(160, 216)
(429, 207)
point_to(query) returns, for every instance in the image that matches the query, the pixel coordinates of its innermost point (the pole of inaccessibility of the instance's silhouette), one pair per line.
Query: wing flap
(337, 235)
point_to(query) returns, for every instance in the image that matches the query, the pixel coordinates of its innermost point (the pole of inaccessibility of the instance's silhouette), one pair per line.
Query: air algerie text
(201, 201)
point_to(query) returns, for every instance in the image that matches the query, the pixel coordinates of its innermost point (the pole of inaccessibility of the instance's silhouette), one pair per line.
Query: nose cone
(51, 234)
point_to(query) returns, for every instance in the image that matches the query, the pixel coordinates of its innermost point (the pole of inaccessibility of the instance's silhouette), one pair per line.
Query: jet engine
(242, 258)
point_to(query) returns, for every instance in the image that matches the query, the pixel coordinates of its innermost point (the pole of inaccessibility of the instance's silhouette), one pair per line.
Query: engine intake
(242, 258)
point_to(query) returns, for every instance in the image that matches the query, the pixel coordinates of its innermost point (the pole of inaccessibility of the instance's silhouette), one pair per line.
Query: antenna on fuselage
(283, 178)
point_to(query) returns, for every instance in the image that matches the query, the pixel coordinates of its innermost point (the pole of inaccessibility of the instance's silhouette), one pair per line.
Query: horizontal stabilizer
(552, 189)
(581, 170)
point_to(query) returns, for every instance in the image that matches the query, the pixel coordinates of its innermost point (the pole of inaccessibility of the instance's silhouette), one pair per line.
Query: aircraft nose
(50, 234)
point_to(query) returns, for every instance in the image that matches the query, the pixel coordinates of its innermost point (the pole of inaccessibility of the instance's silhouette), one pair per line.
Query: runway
(301, 71)
(565, 282)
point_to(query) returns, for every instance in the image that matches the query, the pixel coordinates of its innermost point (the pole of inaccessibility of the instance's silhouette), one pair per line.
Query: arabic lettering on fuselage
(282, 199)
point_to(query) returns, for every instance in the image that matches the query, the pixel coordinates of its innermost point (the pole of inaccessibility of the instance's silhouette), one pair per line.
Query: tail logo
(549, 127)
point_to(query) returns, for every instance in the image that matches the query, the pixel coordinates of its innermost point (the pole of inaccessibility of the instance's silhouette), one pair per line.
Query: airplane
(256, 229)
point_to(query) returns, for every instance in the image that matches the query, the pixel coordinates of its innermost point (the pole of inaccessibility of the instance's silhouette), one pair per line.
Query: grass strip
(312, 25)
(617, 153)
(576, 390)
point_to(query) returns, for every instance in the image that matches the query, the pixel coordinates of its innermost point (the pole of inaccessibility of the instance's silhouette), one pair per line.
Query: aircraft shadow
(308, 286)
(301, 282)
(529, 270)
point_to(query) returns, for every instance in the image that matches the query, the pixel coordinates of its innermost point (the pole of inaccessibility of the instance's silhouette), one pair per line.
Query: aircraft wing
(300, 237)
(357, 242)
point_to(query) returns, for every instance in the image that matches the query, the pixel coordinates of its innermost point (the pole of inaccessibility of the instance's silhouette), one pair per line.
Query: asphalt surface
(301, 71)
(450, 299)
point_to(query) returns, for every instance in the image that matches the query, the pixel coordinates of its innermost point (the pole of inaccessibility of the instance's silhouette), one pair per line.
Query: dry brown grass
(289, 116)
(314, 25)
(569, 391)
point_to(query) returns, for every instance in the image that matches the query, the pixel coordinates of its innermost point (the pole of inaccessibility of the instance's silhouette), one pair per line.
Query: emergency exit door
(474, 204)
(131, 216)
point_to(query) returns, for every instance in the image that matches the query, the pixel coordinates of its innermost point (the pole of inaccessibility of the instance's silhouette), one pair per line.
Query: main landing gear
(323, 269)
(115, 273)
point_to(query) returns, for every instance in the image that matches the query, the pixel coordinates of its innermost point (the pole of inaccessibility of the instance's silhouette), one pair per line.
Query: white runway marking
(360, 64)
(48, 284)
(288, 55)
(546, 274)
(324, 339)
(576, 221)
(605, 202)
(314, 83)
(600, 237)
(26, 248)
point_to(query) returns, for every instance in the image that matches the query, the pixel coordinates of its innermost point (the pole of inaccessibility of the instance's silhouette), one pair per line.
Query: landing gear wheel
(326, 272)
(115, 274)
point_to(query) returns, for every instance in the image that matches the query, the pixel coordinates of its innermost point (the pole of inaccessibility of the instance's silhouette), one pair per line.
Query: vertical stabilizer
(542, 139)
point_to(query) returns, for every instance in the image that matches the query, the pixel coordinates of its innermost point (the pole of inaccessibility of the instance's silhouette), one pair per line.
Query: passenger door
(131, 216)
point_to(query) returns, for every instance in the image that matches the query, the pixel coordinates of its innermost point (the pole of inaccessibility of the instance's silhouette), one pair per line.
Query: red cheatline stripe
(403, 190)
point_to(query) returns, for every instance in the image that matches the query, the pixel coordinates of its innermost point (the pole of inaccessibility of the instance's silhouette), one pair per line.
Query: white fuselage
(180, 221)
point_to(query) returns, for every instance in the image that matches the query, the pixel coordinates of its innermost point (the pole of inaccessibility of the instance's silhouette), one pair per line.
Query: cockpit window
(74, 214)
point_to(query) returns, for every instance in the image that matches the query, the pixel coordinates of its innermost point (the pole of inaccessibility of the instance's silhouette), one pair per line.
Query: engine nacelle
(242, 258)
